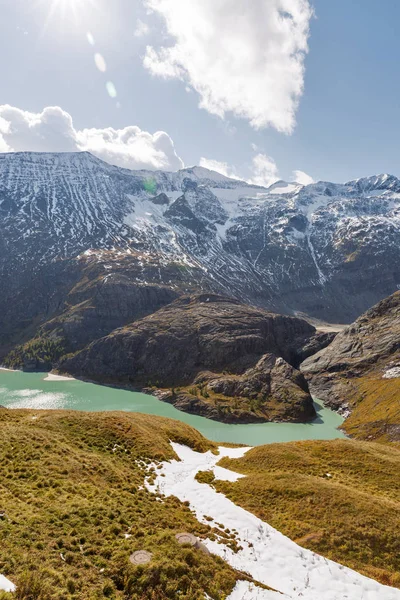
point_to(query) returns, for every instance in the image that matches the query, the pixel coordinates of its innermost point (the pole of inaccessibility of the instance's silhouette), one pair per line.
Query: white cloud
(244, 57)
(52, 130)
(3, 145)
(265, 170)
(141, 29)
(220, 167)
(301, 177)
(4, 127)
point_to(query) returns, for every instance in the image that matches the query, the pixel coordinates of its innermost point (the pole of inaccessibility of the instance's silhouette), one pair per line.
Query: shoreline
(54, 377)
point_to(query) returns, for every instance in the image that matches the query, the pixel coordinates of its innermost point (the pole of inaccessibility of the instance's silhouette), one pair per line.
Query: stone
(141, 557)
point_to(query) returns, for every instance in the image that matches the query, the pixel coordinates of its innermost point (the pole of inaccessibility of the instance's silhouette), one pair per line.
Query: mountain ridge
(71, 221)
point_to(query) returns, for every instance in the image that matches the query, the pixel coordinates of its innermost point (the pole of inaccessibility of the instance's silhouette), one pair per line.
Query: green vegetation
(39, 353)
(375, 409)
(72, 490)
(339, 498)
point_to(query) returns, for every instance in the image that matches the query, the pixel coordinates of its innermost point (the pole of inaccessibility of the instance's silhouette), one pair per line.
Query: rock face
(79, 300)
(360, 371)
(326, 250)
(231, 361)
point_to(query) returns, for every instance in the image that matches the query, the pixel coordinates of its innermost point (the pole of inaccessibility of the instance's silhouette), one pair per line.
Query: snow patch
(392, 373)
(267, 555)
(6, 585)
(226, 475)
(284, 187)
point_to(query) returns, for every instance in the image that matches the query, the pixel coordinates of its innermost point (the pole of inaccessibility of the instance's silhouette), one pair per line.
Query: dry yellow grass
(71, 486)
(375, 409)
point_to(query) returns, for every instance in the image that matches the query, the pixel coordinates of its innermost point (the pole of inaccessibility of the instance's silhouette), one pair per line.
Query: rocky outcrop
(271, 391)
(228, 358)
(359, 372)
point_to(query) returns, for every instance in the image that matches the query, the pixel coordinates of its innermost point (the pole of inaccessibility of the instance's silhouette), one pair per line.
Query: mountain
(73, 226)
(212, 356)
(359, 373)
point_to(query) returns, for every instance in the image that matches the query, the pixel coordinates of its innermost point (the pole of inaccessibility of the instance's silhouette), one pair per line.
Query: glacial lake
(31, 390)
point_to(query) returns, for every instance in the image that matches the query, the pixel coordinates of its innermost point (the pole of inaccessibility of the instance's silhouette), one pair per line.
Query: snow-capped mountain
(328, 250)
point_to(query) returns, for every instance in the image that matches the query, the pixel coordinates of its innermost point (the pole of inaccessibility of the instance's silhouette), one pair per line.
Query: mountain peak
(209, 174)
(375, 182)
(284, 187)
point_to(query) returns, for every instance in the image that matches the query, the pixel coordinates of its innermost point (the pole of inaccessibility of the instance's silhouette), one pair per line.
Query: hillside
(359, 373)
(338, 498)
(75, 510)
(82, 492)
(78, 235)
(209, 355)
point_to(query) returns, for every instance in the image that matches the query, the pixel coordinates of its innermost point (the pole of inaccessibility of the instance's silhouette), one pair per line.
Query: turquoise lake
(31, 390)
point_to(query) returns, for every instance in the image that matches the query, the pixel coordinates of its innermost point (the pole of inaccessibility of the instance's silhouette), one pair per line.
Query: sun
(67, 9)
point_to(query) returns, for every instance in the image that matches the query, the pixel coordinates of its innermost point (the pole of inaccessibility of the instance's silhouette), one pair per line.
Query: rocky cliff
(217, 357)
(359, 372)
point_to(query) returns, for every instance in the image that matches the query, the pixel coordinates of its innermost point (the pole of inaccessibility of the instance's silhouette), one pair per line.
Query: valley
(215, 368)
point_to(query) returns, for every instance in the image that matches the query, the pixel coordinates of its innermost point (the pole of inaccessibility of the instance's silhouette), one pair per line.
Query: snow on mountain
(326, 249)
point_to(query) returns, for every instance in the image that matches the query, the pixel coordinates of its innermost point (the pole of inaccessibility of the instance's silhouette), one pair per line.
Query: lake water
(31, 390)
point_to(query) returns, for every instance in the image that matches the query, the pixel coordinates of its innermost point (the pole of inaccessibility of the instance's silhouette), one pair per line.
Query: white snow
(6, 585)
(272, 558)
(295, 236)
(284, 187)
(244, 590)
(204, 173)
(226, 475)
(392, 373)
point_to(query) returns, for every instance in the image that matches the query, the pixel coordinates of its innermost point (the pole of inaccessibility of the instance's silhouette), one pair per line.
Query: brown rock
(238, 345)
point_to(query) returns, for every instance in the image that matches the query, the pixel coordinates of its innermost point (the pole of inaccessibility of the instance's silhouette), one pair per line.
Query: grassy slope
(375, 406)
(352, 517)
(71, 486)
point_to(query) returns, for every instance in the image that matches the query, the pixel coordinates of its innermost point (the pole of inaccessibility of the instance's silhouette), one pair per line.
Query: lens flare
(100, 62)
(111, 89)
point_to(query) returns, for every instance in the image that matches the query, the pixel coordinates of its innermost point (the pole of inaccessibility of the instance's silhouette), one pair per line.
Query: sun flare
(67, 9)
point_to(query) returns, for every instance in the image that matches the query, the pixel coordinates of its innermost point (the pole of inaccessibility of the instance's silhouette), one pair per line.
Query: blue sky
(346, 125)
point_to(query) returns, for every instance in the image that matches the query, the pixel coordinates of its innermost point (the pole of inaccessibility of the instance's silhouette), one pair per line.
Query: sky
(259, 90)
